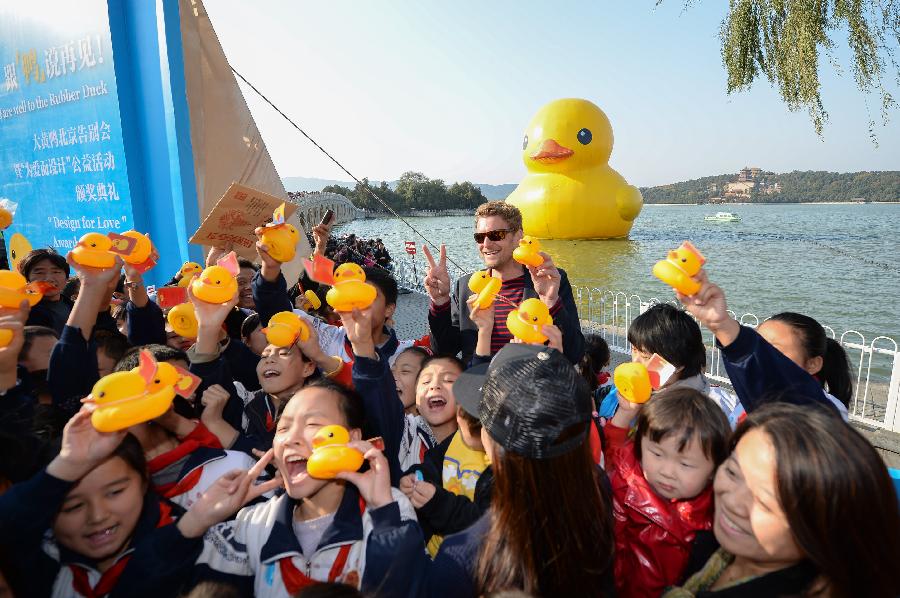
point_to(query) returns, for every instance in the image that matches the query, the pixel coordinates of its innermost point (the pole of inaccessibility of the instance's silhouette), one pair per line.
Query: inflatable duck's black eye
(525, 143)
(584, 136)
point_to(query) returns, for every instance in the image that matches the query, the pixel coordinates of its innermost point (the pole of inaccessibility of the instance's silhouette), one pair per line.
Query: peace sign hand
(437, 277)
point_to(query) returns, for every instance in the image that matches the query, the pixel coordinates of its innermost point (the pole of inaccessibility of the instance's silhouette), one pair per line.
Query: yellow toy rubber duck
(19, 247)
(142, 248)
(188, 269)
(350, 289)
(485, 286)
(93, 249)
(632, 381)
(570, 191)
(14, 289)
(528, 253)
(6, 218)
(286, 328)
(6, 337)
(526, 322)
(331, 455)
(312, 300)
(215, 285)
(123, 399)
(183, 320)
(281, 239)
(679, 267)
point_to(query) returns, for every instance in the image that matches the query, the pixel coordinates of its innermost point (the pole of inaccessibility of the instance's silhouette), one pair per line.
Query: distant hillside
(299, 183)
(797, 186)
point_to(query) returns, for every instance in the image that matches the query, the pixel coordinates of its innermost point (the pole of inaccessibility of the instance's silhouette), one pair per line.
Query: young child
(319, 530)
(281, 372)
(662, 485)
(407, 437)
(88, 526)
(451, 499)
(406, 370)
(673, 335)
(593, 367)
(252, 334)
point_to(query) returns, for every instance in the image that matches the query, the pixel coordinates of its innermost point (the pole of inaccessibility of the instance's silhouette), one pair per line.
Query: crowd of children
(490, 466)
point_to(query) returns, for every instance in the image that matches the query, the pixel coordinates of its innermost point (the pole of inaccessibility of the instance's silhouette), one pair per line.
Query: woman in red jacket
(662, 485)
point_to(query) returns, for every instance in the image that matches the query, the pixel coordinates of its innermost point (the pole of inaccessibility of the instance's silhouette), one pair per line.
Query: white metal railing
(875, 363)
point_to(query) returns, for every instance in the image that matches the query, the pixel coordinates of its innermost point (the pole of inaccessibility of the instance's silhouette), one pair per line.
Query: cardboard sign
(232, 222)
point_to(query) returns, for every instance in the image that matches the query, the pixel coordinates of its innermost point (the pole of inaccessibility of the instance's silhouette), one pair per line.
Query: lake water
(837, 263)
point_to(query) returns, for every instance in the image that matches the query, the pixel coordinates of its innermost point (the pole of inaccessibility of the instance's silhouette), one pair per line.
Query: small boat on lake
(722, 217)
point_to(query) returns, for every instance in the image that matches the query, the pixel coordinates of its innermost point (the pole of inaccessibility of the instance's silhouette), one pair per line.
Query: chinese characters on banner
(62, 158)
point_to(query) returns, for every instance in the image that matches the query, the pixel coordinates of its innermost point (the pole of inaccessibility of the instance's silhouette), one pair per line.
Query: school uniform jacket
(259, 553)
(157, 562)
(272, 297)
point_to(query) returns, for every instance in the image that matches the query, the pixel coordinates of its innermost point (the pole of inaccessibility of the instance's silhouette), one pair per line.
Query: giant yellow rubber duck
(124, 399)
(350, 289)
(570, 191)
(93, 249)
(14, 289)
(331, 455)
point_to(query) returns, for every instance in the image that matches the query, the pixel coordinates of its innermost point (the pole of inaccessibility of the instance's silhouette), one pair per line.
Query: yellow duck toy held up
(183, 320)
(142, 248)
(124, 399)
(286, 328)
(528, 253)
(632, 381)
(280, 237)
(14, 289)
(331, 455)
(485, 286)
(93, 250)
(188, 269)
(679, 267)
(215, 285)
(526, 322)
(350, 289)
(570, 191)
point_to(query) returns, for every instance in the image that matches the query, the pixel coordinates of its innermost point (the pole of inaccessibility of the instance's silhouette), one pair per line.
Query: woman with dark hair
(548, 531)
(804, 506)
(788, 358)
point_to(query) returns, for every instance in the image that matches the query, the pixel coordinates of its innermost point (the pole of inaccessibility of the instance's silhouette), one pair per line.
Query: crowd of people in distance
(490, 466)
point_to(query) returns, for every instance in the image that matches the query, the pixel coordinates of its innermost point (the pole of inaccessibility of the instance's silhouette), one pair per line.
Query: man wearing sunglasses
(498, 230)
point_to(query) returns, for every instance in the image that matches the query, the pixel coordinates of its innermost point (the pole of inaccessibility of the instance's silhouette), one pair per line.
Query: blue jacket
(160, 557)
(760, 373)
(73, 370)
(145, 325)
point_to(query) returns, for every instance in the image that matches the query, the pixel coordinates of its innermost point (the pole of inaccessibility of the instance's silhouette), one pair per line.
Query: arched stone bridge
(313, 205)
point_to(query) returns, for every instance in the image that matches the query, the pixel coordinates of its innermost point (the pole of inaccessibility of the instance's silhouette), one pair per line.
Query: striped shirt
(514, 291)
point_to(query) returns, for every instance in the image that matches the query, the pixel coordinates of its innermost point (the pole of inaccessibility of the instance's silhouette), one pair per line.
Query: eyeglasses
(493, 235)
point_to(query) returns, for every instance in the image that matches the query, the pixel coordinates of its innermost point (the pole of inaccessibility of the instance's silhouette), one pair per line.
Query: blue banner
(61, 158)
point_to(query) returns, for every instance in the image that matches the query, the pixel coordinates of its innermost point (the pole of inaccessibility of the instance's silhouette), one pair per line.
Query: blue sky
(447, 88)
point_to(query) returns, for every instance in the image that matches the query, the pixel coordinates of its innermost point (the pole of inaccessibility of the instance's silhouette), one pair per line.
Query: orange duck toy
(679, 267)
(331, 455)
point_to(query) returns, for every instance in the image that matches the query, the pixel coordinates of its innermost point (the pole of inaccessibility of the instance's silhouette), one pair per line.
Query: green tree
(783, 41)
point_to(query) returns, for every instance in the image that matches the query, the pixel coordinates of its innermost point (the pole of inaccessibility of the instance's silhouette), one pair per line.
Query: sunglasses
(493, 235)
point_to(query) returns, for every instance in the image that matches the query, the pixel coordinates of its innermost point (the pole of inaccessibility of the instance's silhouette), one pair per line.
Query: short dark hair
(132, 357)
(685, 413)
(673, 335)
(114, 343)
(350, 402)
(443, 357)
(131, 451)
(38, 255)
(32, 332)
(384, 281)
(71, 288)
(245, 263)
(250, 324)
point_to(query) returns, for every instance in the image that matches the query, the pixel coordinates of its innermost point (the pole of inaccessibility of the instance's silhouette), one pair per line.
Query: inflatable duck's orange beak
(551, 152)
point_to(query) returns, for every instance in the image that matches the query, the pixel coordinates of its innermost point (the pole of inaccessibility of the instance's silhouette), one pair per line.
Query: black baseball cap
(526, 398)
